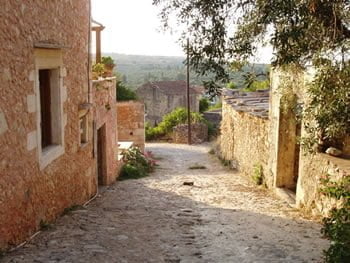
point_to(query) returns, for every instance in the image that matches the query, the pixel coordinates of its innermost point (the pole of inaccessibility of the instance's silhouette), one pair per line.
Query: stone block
(31, 103)
(63, 72)
(31, 141)
(3, 123)
(64, 94)
(32, 75)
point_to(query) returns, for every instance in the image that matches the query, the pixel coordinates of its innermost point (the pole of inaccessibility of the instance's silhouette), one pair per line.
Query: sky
(133, 27)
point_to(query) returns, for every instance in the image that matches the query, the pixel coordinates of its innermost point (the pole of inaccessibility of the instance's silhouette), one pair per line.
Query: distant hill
(138, 69)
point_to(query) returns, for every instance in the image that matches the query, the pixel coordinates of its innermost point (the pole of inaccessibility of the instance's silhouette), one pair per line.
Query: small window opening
(83, 130)
(45, 106)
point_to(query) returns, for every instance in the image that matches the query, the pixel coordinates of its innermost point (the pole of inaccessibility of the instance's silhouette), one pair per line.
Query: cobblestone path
(221, 218)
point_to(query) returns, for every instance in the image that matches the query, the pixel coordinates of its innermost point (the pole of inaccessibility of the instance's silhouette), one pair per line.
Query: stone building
(131, 123)
(163, 97)
(259, 135)
(57, 128)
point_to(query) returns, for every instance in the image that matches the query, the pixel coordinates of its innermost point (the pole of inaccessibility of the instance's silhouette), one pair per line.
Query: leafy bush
(203, 105)
(326, 117)
(231, 85)
(137, 164)
(258, 85)
(124, 93)
(107, 61)
(98, 70)
(153, 133)
(337, 226)
(174, 118)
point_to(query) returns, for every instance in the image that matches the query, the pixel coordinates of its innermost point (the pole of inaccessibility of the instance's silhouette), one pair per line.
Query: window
(50, 124)
(45, 107)
(83, 130)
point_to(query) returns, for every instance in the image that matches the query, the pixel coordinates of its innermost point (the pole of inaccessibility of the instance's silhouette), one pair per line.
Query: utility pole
(188, 94)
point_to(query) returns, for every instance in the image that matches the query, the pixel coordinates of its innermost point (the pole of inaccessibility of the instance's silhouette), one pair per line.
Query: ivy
(337, 225)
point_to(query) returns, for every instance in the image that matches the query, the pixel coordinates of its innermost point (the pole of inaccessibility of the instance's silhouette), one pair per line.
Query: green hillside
(136, 70)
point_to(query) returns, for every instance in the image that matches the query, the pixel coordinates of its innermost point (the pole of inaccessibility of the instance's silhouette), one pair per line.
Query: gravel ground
(221, 218)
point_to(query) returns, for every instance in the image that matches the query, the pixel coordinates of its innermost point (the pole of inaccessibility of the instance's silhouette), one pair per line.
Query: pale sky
(133, 27)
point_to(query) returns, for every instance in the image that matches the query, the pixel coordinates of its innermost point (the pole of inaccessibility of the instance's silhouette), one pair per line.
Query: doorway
(288, 150)
(101, 155)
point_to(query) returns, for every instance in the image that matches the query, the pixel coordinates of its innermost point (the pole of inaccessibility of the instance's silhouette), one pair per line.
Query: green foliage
(131, 172)
(137, 164)
(172, 119)
(327, 114)
(216, 106)
(297, 30)
(124, 93)
(258, 85)
(153, 133)
(203, 104)
(107, 61)
(258, 176)
(136, 70)
(337, 226)
(176, 117)
(98, 69)
(231, 85)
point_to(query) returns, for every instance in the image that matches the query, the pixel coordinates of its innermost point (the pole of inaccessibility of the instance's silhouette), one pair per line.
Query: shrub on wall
(203, 105)
(174, 118)
(124, 93)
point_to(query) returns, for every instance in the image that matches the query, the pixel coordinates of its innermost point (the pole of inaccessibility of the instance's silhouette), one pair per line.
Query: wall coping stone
(254, 103)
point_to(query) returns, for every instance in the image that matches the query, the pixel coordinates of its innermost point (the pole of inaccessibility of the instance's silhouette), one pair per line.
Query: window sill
(49, 154)
(84, 145)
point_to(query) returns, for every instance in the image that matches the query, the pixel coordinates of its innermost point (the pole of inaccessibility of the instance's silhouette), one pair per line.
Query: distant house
(163, 97)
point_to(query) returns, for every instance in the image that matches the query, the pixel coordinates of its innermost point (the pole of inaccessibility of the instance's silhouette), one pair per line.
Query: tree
(124, 93)
(224, 31)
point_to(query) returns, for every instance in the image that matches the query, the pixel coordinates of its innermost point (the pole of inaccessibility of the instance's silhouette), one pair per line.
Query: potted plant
(108, 62)
(98, 70)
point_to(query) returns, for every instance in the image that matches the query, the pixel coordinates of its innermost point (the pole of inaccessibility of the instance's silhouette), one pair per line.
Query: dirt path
(222, 218)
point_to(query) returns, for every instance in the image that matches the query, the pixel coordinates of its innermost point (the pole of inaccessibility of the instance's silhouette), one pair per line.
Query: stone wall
(312, 169)
(199, 133)
(244, 132)
(131, 122)
(289, 165)
(214, 117)
(105, 111)
(158, 103)
(30, 195)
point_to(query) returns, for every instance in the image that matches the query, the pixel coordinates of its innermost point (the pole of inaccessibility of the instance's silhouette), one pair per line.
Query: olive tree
(222, 32)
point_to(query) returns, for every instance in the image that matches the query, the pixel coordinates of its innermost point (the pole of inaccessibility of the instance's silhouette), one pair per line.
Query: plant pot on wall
(108, 70)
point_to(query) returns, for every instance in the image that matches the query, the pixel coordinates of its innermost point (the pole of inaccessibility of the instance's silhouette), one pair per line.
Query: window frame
(50, 59)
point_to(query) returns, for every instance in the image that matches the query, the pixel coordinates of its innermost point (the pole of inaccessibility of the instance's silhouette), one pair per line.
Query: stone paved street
(221, 218)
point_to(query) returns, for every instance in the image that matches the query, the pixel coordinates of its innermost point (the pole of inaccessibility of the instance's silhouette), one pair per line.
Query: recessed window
(50, 121)
(48, 85)
(83, 121)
